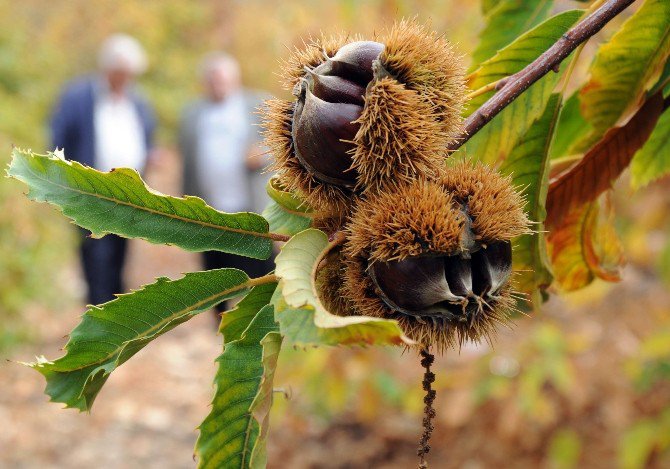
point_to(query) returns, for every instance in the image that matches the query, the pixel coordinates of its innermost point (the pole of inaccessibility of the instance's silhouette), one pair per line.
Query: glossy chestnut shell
(455, 287)
(330, 100)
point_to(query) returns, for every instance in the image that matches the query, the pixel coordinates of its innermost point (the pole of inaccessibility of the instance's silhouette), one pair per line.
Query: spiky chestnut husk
(436, 256)
(369, 115)
(328, 283)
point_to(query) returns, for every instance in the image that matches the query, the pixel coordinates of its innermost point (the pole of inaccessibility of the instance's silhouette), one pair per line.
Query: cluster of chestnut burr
(426, 240)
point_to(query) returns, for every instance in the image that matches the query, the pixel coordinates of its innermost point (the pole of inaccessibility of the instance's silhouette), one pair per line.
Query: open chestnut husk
(368, 115)
(456, 287)
(436, 255)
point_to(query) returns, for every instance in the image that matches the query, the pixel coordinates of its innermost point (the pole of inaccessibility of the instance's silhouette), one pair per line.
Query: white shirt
(223, 141)
(119, 135)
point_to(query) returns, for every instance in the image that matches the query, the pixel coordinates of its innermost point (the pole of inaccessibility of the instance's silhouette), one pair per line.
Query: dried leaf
(602, 164)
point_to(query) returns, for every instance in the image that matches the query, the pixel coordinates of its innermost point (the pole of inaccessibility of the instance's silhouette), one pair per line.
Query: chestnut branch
(511, 87)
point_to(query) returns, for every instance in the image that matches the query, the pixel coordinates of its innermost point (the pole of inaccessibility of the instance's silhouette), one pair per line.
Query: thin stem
(548, 61)
(486, 88)
(269, 278)
(278, 237)
(427, 359)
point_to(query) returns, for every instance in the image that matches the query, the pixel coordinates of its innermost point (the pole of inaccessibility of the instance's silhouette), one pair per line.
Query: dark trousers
(102, 260)
(253, 267)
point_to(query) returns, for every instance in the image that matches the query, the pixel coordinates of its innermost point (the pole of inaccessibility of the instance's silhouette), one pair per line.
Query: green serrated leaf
(229, 434)
(302, 318)
(652, 161)
(495, 141)
(119, 202)
(625, 68)
(111, 333)
(505, 21)
(529, 166)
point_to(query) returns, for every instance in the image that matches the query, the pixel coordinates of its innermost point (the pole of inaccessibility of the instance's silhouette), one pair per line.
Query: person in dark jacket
(102, 122)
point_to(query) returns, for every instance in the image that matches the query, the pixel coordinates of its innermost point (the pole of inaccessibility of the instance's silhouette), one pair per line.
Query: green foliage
(229, 435)
(619, 76)
(652, 161)
(119, 202)
(302, 318)
(260, 407)
(522, 139)
(499, 137)
(505, 21)
(651, 364)
(283, 221)
(110, 334)
(547, 363)
(571, 127)
(286, 214)
(236, 321)
(529, 166)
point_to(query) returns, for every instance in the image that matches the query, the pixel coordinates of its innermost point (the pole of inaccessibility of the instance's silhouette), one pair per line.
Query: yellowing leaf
(652, 161)
(286, 213)
(302, 318)
(626, 67)
(585, 247)
(495, 141)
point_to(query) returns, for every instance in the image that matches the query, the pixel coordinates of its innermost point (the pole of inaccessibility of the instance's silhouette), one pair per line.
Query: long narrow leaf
(529, 166)
(111, 333)
(119, 202)
(571, 128)
(236, 321)
(507, 20)
(625, 68)
(260, 407)
(229, 433)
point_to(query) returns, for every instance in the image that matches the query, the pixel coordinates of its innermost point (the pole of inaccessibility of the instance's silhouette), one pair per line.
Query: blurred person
(221, 146)
(103, 122)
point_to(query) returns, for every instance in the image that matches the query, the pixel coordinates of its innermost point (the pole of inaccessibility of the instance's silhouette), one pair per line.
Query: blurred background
(583, 383)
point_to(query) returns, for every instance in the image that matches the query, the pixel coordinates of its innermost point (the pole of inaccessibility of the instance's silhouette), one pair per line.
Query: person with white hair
(103, 122)
(220, 143)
